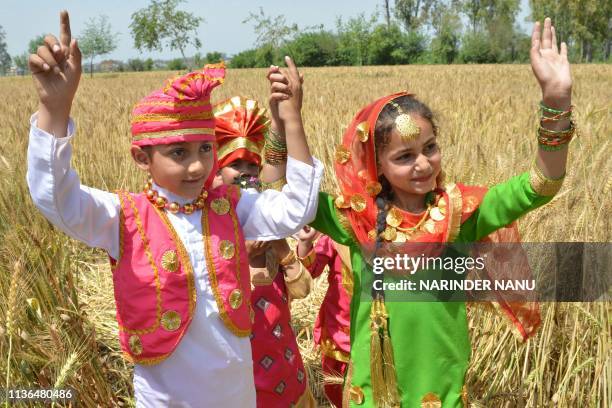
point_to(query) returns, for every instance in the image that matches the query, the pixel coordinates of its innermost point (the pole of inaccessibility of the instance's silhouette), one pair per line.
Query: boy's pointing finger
(65, 35)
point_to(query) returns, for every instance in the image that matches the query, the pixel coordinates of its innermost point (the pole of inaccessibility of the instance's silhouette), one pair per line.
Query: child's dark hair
(382, 136)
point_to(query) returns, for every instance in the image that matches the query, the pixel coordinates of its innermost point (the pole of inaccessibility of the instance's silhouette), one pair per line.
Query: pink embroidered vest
(154, 280)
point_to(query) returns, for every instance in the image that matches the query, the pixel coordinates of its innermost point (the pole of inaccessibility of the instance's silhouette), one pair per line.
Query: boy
(177, 249)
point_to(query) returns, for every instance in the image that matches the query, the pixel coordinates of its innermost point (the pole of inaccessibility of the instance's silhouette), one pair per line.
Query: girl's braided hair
(382, 136)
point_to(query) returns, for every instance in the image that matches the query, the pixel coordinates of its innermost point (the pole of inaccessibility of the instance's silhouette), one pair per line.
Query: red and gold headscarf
(240, 126)
(356, 171)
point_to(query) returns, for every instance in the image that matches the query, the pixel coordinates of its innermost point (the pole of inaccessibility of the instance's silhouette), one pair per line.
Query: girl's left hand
(550, 66)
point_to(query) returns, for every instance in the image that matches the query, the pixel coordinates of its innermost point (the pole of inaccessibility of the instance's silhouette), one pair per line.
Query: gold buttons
(340, 202)
(220, 206)
(362, 131)
(389, 234)
(171, 320)
(436, 214)
(394, 217)
(169, 261)
(135, 345)
(342, 154)
(373, 188)
(235, 298)
(227, 249)
(358, 202)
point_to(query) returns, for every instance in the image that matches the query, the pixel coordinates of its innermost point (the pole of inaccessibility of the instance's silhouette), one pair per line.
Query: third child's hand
(292, 106)
(279, 91)
(307, 234)
(56, 68)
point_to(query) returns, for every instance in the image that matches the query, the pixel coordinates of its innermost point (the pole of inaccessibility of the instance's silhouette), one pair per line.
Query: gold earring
(405, 125)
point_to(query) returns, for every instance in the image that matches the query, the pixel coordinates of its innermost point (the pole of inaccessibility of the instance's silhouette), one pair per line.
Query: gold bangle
(275, 185)
(309, 259)
(542, 185)
(289, 259)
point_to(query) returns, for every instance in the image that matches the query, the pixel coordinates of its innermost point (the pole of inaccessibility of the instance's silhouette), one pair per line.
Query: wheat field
(57, 325)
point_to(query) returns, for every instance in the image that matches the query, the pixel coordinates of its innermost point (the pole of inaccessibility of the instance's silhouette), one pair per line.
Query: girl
(331, 330)
(276, 275)
(177, 249)
(389, 169)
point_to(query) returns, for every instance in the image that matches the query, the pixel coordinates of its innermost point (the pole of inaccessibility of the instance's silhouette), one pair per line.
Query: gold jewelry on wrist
(542, 185)
(309, 259)
(275, 185)
(289, 259)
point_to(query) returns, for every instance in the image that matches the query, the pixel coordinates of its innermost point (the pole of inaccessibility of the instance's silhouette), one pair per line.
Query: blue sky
(222, 31)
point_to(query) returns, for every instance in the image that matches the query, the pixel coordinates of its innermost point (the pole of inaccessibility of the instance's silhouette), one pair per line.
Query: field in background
(57, 325)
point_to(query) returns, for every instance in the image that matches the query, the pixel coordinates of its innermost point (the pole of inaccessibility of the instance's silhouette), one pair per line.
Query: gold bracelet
(542, 185)
(289, 259)
(275, 185)
(309, 259)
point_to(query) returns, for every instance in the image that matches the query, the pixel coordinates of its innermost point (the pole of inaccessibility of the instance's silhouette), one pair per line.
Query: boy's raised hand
(56, 68)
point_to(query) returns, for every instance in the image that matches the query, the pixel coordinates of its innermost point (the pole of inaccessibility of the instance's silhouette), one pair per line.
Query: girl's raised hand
(56, 68)
(549, 64)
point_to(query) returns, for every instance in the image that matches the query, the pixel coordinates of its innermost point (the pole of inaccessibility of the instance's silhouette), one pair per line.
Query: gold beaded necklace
(174, 207)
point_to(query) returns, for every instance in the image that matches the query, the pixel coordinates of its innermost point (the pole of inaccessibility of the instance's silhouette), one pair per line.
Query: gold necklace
(174, 207)
(394, 233)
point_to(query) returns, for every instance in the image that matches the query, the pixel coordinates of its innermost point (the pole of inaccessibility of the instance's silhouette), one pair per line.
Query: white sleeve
(84, 213)
(275, 214)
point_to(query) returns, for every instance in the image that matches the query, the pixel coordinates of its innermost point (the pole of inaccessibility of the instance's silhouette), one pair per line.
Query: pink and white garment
(211, 366)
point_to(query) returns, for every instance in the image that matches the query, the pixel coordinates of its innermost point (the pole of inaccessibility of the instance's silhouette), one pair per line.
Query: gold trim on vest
(169, 261)
(171, 320)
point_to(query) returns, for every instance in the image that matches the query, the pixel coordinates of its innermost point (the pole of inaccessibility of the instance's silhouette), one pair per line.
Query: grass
(57, 322)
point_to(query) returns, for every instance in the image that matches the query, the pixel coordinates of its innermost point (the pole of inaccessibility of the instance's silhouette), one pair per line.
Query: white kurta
(211, 367)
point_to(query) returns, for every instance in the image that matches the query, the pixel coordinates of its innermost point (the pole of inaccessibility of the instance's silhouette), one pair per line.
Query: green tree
(390, 46)
(5, 58)
(21, 62)
(214, 57)
(445, 21)
(354, 39)
(35, 43)
(585, 25)
(177, 64)
(476, 49)
(244, 59)
(272, 32)
(97, 39)
(313, 49)
(161, 24)
(412, 14)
